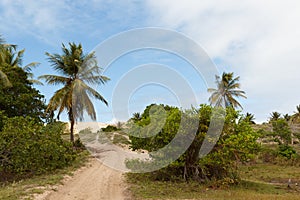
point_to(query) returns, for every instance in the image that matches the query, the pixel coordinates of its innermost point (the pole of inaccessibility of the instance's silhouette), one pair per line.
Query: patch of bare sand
(93, 182)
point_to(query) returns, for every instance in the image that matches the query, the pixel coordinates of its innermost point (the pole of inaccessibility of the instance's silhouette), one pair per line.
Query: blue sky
(259, 41)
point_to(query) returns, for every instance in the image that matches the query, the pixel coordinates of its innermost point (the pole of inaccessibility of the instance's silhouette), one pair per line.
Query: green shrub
(110, 128)
(286, 151)
(28, 148)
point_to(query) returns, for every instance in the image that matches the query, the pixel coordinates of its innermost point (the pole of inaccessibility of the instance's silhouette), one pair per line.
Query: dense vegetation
(29, 148)
(31, 141)
(237, 143)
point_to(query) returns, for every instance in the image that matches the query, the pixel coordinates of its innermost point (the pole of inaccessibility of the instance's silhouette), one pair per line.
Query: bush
(110, 128)
(28, 148)
(286, 151)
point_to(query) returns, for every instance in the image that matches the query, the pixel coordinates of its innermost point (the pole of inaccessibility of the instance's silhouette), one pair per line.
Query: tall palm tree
(77, 70)
(226, 91)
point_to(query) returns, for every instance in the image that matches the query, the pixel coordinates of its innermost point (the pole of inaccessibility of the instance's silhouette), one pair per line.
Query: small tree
(282, 131)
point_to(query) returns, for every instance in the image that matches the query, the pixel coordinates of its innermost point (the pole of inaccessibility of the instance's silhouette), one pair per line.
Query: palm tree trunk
(72, 122)
(72, 132)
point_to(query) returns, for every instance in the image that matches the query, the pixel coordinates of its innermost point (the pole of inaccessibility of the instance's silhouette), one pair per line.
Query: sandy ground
(93, 182)
(96, 181)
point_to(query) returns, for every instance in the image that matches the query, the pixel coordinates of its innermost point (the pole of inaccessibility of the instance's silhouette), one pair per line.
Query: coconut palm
(275, 116)
(296, 116)
(136, 116)
(11, 57)
(3, 77)
(226, 91)
(77, 70)
(28, 69)
(249, 118)
(287, 117)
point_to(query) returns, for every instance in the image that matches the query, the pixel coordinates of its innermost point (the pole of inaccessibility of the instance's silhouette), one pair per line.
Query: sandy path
(94, 182)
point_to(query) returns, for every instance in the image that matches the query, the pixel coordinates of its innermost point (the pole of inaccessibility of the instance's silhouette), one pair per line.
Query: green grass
(25, 189)
(259, 182)
(270, 173)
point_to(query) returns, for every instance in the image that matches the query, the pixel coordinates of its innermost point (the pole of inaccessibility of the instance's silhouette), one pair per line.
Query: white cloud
(41, 19)
(257, 40)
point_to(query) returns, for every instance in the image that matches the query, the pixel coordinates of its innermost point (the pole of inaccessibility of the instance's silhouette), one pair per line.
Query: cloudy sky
(259, 41)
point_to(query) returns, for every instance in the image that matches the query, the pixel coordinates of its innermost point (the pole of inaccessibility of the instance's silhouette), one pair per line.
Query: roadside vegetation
(33, 150)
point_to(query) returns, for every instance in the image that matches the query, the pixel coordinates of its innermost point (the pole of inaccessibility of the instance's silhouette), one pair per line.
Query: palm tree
(296, 116)
(28, 69)
(9, 56)
(287, 117)
(275, 116)
(250, 118)
(78, 70)
(3, 77)
(226, 91)
(136, 116)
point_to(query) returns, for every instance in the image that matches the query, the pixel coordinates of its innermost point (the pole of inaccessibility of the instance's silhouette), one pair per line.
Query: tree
(237, 142)
(20, 99)
(275, 116)
(249, 118)
(282, 130)
(28, 69)
(11, 57)
(287, 117)
(3, 77)
(226, 91)
(136, 116)
(78, 70)
(296, 116)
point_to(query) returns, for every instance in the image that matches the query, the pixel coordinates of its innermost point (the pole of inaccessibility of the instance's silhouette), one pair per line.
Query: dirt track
(94, 182)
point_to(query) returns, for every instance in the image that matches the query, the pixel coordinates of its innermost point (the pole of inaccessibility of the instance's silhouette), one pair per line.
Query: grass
(259, 182)
(271, 173)
(25, 189)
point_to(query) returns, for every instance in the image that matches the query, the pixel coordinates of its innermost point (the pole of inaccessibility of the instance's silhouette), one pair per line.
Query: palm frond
(227, 89)
(4, 79)
(54, 79)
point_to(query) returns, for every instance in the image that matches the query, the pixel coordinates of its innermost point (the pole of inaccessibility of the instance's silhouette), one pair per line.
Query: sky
(257, 40)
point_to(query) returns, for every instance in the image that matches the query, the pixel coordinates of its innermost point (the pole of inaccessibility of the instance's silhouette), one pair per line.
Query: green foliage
(21, 99)
(110, 128)
(28, 147)
(163, 127)
(282, 131)
(237, 142)
(286, 151)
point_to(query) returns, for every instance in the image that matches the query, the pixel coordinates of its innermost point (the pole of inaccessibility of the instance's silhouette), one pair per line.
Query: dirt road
(94, 182)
